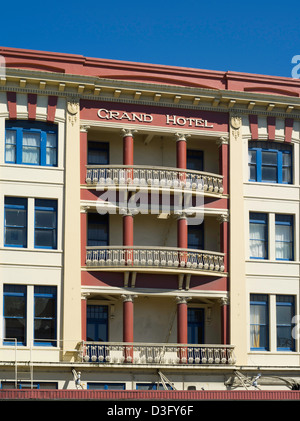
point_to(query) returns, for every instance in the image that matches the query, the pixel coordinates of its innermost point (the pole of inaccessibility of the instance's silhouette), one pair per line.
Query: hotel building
(150, 219)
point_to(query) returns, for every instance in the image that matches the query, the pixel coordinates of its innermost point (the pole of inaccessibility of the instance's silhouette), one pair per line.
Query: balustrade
(154, 176)
(168, 354)
(159, 257)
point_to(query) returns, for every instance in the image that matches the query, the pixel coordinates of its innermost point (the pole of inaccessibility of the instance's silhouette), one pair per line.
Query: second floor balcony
(102, 176)
(154, 257)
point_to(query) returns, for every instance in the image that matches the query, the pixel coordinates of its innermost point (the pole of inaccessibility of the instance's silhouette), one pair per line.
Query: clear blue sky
(254, 37)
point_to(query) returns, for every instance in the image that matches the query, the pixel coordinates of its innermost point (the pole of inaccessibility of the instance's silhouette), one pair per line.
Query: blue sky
(253, 37)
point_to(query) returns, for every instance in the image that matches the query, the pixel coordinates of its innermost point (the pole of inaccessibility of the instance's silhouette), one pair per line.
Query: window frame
(98, 146)
(49, 205)
(191, 229)
(194, 155)
(267, 146)
(289, 223)
(256, 299)
(107, 386)
(45, 292)
(286, 303)
(22, 204)
(24, 126)
(13, 290)
(103, 220)
(266, 239)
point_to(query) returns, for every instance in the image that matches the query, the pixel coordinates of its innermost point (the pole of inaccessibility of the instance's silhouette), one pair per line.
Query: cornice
(91, 88)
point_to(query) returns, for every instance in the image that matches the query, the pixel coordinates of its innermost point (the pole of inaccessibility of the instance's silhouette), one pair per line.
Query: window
(29, 385)
(98, 231)
(259, 325)
(45, 233)
(15, 222)
(16, 311)
(31, 143)
(284, 315)
(98, 153)
(284, 237)
(195, 325)
(106, 386)
(14, 314)
(196, 236)
(270, 162)
(152, 386)
(258, 235)
(45, 315)
(97, 323)
(194, 160)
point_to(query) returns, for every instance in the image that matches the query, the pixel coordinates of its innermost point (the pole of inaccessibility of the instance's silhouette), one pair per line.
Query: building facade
(150, 222)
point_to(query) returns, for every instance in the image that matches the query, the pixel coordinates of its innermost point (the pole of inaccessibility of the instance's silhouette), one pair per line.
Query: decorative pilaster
(238, 292)
(71, 322)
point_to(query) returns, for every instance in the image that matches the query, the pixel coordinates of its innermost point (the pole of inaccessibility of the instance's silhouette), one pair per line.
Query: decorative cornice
(171, 96)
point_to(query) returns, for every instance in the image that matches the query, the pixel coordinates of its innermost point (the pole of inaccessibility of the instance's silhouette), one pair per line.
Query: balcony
(109, 353)
(154, 257)
(155, 177)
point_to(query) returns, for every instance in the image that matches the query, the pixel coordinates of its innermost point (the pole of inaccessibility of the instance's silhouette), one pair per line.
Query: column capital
(180, 215)
(84, 128)
(224, 301)
(223, 218)
(128, 132)
(128, 297)
(85, 295)
(222, 141)
(181, 136)
(182, 300)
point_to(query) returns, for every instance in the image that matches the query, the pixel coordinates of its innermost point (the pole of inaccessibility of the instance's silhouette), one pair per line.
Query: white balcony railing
(163, 177)
(167, 354)
(154, 257)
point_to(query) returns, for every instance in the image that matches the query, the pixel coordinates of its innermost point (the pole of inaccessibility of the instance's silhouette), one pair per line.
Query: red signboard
(148, 115)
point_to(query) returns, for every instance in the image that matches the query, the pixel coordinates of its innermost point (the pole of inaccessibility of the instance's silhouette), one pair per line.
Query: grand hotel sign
(156, 116)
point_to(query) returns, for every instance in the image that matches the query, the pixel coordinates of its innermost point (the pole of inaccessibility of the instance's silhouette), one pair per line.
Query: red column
(182, 232)
(127, 147)
(224, 239)
(224, 163)
(182, 337)
(83, 229)
(182, 327)
(128, 218)
(128, 325)
(83, 316)
(181, 151)
(128, 230)
(224, 321)
(83, 153)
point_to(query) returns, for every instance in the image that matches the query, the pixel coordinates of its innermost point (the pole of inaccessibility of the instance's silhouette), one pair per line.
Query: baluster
(109, 178)
(136, 259)
(88, 178)
(204, 355)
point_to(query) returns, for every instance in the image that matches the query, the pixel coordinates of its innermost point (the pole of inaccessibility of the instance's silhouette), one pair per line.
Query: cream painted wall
(271, 277)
